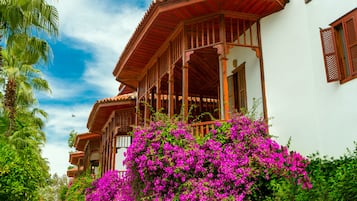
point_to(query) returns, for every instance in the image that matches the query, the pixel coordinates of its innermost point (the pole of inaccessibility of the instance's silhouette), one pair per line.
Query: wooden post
(225, 88)
(262, 78)
(146, 97)
(153, 99)
(185, 89)
(185, 94)
(223, 50)
(158, 87)
(171, 92)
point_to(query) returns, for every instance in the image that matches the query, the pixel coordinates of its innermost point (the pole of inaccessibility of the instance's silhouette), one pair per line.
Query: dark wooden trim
(185, 85)
(158, 87)
(262, 76)
(171, 80)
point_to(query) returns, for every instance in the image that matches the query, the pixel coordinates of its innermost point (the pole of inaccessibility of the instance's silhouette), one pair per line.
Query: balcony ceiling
(82, 139)
(75, 157)
(162, 18)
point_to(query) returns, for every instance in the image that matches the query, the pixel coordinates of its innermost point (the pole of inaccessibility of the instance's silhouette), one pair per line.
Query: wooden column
(146, 107)
(185, 94)
(185, 89)
(114, 150)
(171, 106)
(152, 94)
(158, 87)
(137, 108)
(225, 88)
(262, 78)
(224, 98)
(223, 51)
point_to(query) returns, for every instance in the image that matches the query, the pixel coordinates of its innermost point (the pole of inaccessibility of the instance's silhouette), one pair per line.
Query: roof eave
(141, 31)
(154, 10)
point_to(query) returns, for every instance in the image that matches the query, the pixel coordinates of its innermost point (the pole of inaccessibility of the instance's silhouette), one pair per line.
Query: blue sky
(93, 35)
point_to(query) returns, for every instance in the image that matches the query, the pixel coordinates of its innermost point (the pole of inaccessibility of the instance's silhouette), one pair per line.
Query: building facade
(318, 115)
(222, 56)
(294, 62)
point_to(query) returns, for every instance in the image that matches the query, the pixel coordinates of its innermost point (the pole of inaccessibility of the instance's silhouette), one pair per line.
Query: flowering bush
(76, 188)
(165, 162)
(332, 179)
(106, 188)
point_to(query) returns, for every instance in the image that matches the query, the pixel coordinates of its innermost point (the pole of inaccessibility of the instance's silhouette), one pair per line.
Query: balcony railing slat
(202, 128)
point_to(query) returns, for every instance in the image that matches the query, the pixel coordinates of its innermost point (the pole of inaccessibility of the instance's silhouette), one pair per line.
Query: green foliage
(76, 190)
(22, 172)
(252, 113)
(55, 189)
(332, 179)
(63, 192)
(72, 136)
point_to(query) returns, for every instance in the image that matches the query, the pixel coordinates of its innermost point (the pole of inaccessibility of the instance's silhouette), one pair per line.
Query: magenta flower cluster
(165, 162)
(109, 187)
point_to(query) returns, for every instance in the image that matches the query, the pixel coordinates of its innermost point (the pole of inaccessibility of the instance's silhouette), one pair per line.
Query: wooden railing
(122, 173)
(202, 128)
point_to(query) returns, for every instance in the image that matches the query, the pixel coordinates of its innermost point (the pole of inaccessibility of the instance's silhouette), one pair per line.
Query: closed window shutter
(330, 54)
(242, 88)
(351, 33)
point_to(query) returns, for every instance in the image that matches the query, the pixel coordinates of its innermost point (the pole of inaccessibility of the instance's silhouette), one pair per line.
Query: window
(237, 89)
(123, 141)
(339, 44)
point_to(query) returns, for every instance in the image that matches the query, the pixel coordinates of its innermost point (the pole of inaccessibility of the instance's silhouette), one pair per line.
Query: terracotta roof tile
(124, 97)
(103, 108)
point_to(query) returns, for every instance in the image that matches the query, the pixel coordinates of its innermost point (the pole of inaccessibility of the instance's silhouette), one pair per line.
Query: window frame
(341, 48)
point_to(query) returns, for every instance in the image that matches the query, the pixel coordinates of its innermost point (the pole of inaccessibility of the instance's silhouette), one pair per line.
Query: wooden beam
(262, 78)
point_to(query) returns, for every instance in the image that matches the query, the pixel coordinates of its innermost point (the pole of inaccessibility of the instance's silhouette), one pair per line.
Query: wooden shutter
(351, 42)
(240, 88)
(330, 54)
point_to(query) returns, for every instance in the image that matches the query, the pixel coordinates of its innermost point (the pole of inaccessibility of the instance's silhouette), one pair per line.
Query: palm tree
(19, 16)
(21, 123)
(19, 20)
(19, 75)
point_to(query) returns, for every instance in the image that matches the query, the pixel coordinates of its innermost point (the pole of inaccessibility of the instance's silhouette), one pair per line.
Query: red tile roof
(160, 21)
(102, 109)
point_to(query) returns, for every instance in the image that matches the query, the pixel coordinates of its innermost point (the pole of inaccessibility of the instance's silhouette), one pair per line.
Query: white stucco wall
(319, 116)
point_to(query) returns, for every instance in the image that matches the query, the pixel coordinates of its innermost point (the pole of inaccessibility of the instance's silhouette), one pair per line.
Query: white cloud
(102, 30)
(58, 156)
(61, 89)
(64, 118)
(61, 121)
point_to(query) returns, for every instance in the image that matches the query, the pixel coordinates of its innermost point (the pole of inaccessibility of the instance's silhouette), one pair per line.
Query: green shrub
(332, 179)
(77, 189)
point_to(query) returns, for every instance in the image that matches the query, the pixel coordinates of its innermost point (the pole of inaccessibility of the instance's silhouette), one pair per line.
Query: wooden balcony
(202, 128)
(122, 174)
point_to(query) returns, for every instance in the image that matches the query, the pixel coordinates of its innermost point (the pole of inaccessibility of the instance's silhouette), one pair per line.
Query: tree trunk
(10, 104)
